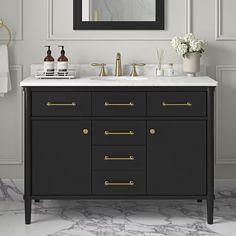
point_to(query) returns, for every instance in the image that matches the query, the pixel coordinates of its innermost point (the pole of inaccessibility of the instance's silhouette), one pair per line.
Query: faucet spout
(118, 69)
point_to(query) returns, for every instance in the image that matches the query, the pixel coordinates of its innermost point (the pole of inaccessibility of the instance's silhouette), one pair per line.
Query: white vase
(191, 63)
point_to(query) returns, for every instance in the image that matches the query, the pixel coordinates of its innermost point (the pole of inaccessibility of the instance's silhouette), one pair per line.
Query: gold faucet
(118, 69)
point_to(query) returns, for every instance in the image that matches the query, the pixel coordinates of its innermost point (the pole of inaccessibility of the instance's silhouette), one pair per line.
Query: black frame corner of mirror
(159, 24)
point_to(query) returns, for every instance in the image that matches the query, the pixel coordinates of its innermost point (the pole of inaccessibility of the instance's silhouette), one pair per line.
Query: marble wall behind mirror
(119, 10)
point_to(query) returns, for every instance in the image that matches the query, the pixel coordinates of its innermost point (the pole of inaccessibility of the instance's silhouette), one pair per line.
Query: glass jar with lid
(170, 71)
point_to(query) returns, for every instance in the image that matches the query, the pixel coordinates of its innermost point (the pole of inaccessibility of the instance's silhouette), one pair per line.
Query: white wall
(36, 23)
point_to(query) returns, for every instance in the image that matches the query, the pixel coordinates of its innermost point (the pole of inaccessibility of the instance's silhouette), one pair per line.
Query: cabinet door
(61, 157)
(176, 158)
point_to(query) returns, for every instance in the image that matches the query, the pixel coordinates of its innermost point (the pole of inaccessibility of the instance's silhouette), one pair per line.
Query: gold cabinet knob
(152, 131)
(85, 131)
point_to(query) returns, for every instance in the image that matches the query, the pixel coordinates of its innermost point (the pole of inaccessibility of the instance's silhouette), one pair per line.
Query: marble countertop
(93, 81)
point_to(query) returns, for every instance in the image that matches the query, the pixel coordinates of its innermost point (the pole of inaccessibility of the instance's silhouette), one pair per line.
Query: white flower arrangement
(188, 44)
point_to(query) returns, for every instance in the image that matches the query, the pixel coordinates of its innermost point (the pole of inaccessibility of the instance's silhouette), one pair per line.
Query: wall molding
(16, 158)
(21, 21)
(218, 24)
(106, 36)
(18, 36)
(220, 159)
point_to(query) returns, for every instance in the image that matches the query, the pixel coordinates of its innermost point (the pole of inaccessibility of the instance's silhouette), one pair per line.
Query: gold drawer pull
(108, 183)
(118, 133)
(187, 104)
(52, 104)
(108, 104)
(109, 158)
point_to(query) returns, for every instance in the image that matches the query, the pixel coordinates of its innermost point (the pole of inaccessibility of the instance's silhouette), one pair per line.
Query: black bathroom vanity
(119, 142)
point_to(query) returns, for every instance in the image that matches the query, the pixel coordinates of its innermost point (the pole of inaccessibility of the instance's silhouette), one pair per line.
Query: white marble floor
(116, 218)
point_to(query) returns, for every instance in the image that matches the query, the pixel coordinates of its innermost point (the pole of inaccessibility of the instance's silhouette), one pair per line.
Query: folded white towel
(5, 81)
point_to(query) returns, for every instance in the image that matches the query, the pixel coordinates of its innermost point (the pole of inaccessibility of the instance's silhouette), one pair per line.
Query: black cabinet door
(61, 157)
(176, 158)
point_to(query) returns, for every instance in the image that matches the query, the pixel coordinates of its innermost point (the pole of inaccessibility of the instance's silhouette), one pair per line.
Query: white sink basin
(119, 78)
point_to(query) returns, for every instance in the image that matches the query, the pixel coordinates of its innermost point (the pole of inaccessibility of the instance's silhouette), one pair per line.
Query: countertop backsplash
(83, 70)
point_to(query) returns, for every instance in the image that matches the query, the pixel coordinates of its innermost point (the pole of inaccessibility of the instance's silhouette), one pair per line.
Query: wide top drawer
(119, 103)
(61, 104)
(176, 103)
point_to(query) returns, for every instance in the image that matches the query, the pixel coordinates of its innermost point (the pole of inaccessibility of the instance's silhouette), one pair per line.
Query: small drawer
(119, 183)
(176, 103)
(119, 103)
(61, 104)
(119, 158)
(119, 132)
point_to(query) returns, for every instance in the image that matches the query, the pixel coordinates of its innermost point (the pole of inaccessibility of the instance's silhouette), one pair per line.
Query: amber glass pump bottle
(49, 62)
(62, 63)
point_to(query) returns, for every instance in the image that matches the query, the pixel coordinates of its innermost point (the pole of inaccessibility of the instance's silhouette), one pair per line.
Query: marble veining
(116, 218)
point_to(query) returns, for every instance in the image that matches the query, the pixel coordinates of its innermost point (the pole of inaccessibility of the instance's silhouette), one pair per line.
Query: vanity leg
(27, 210)
(210, 210)
(199, 200)
(27, 158)
(210, 155)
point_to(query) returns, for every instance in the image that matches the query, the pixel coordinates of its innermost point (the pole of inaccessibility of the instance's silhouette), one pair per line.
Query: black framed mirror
(118, 14)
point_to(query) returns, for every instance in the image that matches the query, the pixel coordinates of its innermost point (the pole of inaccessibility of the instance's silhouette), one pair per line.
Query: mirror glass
(118, 10)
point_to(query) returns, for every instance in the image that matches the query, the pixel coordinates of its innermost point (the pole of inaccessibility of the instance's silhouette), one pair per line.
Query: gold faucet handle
(102, 65)
(139, 64)
(133, 71)
(98, 64)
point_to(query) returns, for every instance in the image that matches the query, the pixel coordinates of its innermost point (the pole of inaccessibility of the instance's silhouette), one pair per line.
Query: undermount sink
(119, 78)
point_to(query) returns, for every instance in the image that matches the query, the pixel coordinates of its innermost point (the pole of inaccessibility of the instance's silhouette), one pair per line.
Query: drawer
(119, 182)
(119, 158)
(176, 103)
(119, 104)
(119, 132)
(61, 104)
